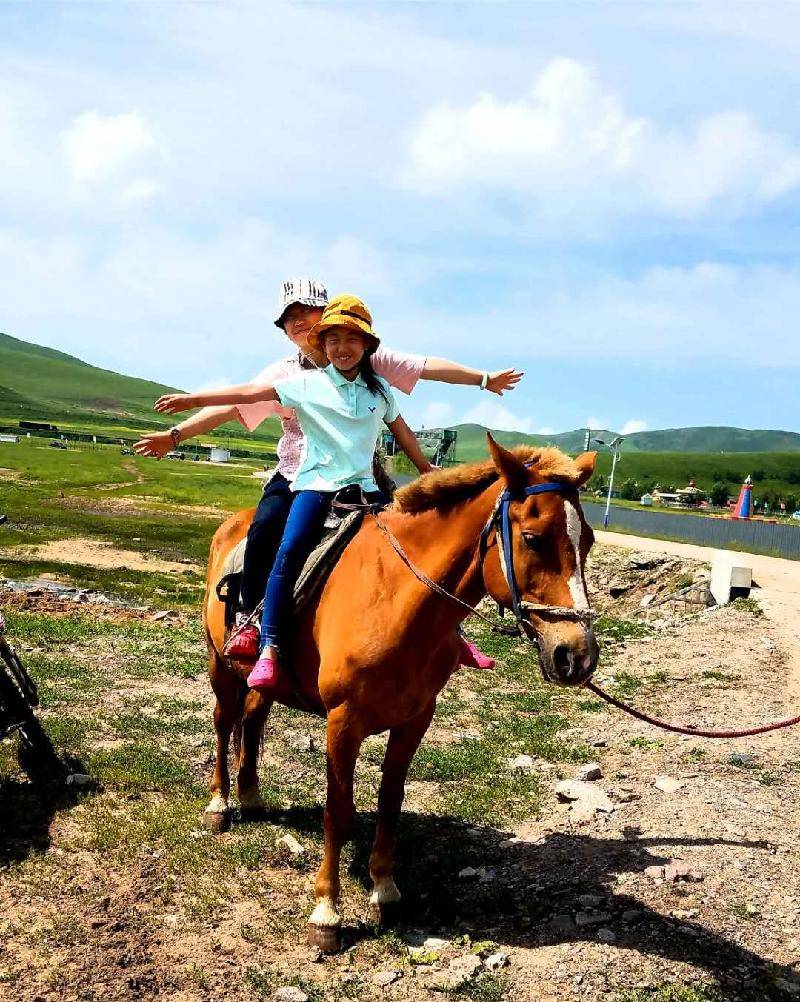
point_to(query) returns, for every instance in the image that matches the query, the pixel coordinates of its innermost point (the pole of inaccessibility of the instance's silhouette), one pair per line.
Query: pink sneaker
(263, 674)
(471, 657)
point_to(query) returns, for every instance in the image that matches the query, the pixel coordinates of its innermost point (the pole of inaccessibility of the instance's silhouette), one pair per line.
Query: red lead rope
(696, 731)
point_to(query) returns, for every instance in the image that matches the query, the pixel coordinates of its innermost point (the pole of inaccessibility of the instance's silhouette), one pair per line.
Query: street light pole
(613, 447)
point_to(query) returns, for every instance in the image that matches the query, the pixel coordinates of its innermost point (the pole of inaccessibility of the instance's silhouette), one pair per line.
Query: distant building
(11, 439)
(665, 498)
(691, 496)
(219, 455)
(646, 500)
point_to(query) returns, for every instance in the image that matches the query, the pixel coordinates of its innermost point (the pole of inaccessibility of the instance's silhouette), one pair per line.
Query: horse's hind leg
(256, 708)
(345, 735)
(226, 686)
(403, 743)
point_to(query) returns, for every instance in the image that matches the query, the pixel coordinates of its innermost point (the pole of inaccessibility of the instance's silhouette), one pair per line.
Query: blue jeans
(302, 533)
(263, 539)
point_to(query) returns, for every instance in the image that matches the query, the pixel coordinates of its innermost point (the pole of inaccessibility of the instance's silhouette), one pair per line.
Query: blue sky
(605, 195)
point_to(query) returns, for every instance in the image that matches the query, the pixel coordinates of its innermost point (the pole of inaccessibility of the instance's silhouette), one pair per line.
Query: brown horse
(377, 645)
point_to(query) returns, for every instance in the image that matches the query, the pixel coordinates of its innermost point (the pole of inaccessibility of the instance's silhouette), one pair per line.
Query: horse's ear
(507, 465)
(585, 463)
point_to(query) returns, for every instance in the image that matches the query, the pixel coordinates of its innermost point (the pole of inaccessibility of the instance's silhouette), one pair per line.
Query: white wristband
(484, 380)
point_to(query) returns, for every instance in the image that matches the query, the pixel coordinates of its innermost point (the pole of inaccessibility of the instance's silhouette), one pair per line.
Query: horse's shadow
(531, 889)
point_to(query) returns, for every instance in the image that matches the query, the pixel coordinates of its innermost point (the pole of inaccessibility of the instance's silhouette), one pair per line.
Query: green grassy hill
(38, 382)
(471, 442)
(42, 384)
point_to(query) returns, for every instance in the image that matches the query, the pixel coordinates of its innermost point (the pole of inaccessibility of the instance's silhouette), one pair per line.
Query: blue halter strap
(501, 519)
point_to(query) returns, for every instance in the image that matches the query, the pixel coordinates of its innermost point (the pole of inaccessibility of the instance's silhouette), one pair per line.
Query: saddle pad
(320, 561)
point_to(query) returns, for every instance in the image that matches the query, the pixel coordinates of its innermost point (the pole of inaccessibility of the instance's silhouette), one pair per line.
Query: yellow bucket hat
(345, 311)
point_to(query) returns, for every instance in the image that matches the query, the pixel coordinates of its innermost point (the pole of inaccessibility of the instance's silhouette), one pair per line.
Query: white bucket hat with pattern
(306, 291)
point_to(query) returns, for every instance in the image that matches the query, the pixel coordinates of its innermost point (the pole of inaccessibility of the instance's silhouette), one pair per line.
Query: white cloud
(708, 314)
(437, 414)
(546, 430)
(98, 147)
(632, 426)
(140, 191)
(492, 414)
(573, 141)
(595, 424)
(110, 151)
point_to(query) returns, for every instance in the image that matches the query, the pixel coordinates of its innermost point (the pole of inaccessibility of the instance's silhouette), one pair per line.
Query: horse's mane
(446, 488)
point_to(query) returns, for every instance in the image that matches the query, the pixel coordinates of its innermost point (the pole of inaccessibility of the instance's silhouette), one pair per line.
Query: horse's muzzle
(569, 658)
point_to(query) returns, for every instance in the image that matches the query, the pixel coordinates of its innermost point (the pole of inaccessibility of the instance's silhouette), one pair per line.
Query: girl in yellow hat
(341, 410)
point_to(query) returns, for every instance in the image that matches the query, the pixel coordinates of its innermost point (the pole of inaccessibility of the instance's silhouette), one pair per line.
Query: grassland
(163, 509)
(716, 441)
(127, 702)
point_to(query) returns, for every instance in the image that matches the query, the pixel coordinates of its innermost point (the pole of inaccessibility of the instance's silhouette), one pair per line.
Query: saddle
(341, 524)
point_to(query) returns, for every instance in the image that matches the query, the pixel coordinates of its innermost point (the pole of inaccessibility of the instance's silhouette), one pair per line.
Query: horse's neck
(445, 545)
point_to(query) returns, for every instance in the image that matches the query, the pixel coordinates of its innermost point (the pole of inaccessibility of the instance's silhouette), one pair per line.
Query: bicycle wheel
(36, 753)
(26, 684)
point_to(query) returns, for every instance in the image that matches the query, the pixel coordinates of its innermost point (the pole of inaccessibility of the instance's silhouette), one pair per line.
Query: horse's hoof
(327, 938)
(216, 821)
(386, 914)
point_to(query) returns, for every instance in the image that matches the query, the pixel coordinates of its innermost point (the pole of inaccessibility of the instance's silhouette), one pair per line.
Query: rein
(696, 731)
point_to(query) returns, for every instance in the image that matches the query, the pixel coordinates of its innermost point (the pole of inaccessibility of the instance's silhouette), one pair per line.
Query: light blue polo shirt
(341, 422)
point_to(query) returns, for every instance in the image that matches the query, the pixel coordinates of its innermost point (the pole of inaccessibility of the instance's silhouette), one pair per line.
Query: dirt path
(777, 590)
(97, 553)
(778, 580)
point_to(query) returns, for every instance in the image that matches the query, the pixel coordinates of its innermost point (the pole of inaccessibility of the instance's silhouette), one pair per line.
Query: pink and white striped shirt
(400, 370)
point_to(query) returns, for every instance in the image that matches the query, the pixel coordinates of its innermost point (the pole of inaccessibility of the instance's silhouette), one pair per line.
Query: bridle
(500, 521)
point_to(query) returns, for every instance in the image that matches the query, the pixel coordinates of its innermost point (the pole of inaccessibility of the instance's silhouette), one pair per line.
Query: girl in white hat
(300, 307)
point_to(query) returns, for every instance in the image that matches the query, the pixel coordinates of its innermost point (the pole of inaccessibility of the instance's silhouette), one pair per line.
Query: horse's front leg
(225, 684)
(256, 707)
(403, 743)
(344, 738)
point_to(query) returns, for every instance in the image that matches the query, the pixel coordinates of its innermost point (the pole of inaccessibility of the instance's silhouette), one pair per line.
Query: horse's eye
(532, 540)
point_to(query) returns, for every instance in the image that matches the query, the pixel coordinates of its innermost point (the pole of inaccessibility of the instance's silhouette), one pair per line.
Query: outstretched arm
(159, 443)
(407, 441)
(442, 370)
(247, 393)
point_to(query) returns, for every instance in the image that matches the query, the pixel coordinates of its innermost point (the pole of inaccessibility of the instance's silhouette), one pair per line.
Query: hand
(171, 403)
(427, 468)
(504, 380)
(157, 443)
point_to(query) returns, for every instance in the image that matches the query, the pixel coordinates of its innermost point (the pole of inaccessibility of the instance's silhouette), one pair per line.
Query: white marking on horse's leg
(251, 799)
(384, 892)
(218, 805)
(325, 913)
(577, 584)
